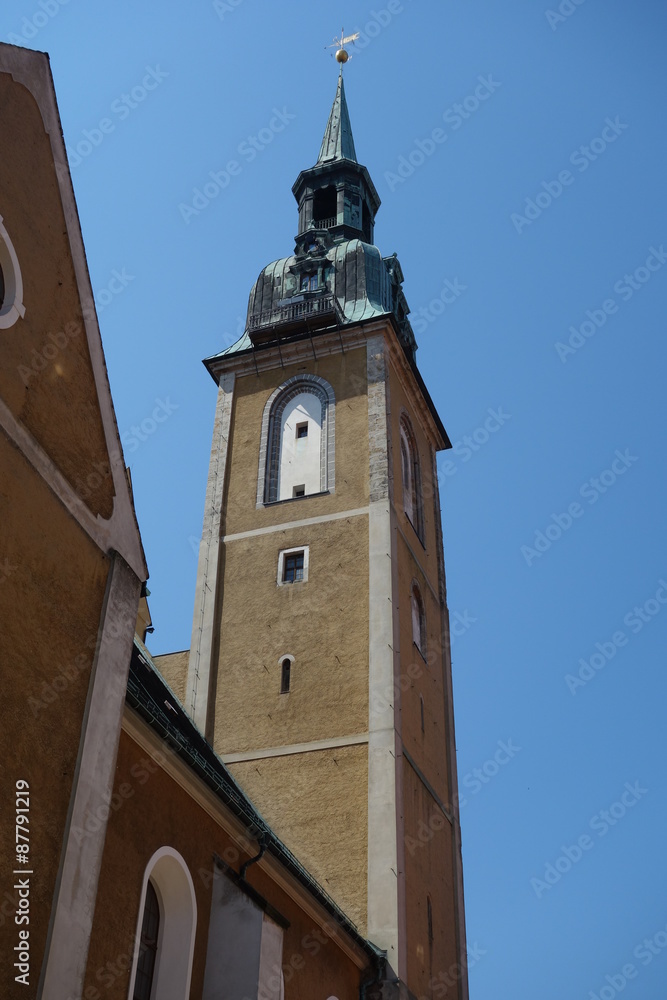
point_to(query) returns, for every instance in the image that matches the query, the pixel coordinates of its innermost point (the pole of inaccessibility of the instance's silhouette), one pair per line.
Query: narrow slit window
(429, 918)
(285, 676)
(421, 710)
(418, 620)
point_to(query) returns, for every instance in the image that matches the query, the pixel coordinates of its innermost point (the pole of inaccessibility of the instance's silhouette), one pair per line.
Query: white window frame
(281, 567)
(269, 448)
(12, 307)
(175, 891)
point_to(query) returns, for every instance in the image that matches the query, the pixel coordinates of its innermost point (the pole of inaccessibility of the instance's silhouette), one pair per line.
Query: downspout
(374, 975)
(263, 843)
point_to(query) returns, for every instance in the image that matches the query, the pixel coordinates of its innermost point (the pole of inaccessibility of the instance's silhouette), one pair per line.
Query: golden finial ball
(342, 56)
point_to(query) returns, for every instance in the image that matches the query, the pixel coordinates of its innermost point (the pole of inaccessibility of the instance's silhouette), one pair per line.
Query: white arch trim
(178, 921)
(12, 308)
(281, 395)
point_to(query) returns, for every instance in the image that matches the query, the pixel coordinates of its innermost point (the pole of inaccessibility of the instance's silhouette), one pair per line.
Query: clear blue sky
(541, 205)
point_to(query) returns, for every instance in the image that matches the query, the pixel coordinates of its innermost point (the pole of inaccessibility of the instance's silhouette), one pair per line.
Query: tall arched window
(150, 927)
(298, 441)
(411, 478)
(418, 620)
(165, 938)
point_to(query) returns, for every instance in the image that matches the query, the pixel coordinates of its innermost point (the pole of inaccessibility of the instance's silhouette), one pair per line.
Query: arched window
(150, 927)
(285, 675)
(418, 620)
(165, 938)
(298, 441)
(11, 296)
(411, 478)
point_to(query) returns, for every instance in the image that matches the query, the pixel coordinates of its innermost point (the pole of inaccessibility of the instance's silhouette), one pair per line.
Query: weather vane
(341, 55)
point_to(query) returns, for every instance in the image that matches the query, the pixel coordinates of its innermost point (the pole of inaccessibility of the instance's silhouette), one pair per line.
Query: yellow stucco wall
(46, 376)
(151, 810)
(346, 373)
(317, 803)
(174, 669)
(322, 623)
(52, 585)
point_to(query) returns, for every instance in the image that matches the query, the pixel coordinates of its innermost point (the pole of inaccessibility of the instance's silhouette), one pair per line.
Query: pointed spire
(338, 143)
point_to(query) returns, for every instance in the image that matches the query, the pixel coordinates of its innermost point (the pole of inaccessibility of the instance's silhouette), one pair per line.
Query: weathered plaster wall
(174, 669)
(317, 802)
(52, 585)
(346, 373)
(152, 811)
(46, 376)
(428, 860)
(322, 623)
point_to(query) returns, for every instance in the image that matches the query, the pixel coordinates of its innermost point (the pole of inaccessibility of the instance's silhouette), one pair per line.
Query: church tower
(320, 666)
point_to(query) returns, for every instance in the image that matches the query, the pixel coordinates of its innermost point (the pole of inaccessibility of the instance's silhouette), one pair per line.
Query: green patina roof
(353, 282)
(359, 278)
(338, 143)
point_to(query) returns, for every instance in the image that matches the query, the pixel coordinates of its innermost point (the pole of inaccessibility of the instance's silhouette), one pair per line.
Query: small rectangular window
(293, 567)
(302, 430)
(299, 491)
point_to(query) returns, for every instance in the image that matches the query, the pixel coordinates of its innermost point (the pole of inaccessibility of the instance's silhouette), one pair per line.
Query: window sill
(307, 496)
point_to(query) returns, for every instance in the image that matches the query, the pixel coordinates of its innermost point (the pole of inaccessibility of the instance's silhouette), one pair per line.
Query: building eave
(313, 344)
(193, 763)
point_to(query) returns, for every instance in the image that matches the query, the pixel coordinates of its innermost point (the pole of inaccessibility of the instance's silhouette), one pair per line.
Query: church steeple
(337, 194)
(321, 579)
(336, 275)
(338, 143)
